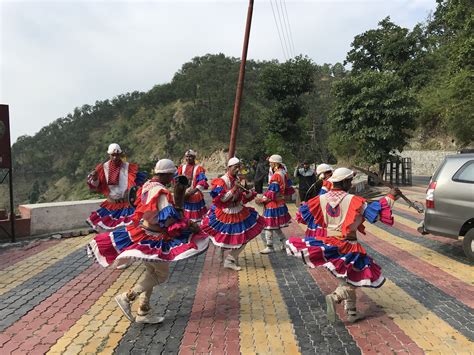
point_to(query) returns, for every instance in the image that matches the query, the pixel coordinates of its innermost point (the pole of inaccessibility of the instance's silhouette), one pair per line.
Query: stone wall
(58, 216)
(425, 162)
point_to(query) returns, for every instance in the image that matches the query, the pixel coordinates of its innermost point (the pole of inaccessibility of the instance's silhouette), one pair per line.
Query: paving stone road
(54, 300)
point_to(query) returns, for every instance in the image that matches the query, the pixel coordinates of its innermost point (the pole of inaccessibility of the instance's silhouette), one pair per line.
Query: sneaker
(267, 250)
(123, 266)
(331, 308)
(230, 264)
(124, 304)
(282, 247)
(149, 319)
(352, 318)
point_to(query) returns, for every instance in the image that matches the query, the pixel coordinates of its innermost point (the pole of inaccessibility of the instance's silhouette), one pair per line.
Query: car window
(465, 173)
(436, 173)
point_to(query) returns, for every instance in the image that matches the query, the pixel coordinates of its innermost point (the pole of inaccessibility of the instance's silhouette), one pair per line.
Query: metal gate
(398, 172)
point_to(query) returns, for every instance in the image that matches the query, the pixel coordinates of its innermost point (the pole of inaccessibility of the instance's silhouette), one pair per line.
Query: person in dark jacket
(306, 178)
(261, 173)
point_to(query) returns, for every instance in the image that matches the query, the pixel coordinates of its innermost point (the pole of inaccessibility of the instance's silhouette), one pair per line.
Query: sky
(58, 55)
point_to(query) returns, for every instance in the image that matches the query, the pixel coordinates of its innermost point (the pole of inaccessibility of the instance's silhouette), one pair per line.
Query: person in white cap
(337, 216)
(114, 179)
(194, 204)
(229, 222)
(275, 212)
(159, 235)
(322, 185)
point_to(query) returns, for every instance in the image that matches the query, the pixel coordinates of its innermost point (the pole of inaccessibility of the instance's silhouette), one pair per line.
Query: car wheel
(468, 244)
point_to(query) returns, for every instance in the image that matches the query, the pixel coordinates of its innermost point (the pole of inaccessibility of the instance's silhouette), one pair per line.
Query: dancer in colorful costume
(194, 204)
(114, 179)
(336, 217)
(159, 235)
(229, 222)
(322, 185)
(276, 213)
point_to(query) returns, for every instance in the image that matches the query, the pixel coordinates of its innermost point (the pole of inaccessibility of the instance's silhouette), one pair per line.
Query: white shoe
(123, 266)
(230, 264)
(331, 308)
(149, 319)
(267, 250)
(124, 304)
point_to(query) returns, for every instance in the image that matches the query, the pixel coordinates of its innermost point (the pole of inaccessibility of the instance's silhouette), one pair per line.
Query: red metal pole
(240, 83)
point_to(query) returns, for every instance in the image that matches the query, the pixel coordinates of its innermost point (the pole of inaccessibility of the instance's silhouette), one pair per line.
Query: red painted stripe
(9, 257)
(449, 284)
(415, 233)
(214, 322)
(376, 333)
(40, 328)
(410, 212)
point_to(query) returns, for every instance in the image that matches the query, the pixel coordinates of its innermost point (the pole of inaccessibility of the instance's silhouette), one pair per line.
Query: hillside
(406, 88)
(193, 110)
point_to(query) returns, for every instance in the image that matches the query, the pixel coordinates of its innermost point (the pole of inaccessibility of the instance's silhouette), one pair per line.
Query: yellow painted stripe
(454, 268)
(265, 325)
(427, 330)
(101, 328)
(407, 222)
(24, 270)
(404, 207)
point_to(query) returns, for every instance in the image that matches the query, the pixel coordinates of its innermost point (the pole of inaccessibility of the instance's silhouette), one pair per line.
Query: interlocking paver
(174, 300)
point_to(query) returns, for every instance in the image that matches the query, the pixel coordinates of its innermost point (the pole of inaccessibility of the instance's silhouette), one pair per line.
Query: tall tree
(372, 117)
(283, 85)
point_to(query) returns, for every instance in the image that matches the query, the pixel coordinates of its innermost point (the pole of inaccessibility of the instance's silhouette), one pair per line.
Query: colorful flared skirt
(195, 208)
(136, 243)
(276, 215)
(111, 216)
(344, 259)
(232, 230)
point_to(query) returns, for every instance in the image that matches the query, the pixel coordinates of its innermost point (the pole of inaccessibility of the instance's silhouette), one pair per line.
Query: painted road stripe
(307, 309)
(22, 253)
(36, 331)
(265, 325)
(428, 330)
(449, 309)
(102, 321)
(412, 217)
(24, 270)
(457, 314)
(454, 268)
(450, 248)
(460, 270)
(452, 286)
(213, 325)
(173, 300)
(376, 332)
(15, 303)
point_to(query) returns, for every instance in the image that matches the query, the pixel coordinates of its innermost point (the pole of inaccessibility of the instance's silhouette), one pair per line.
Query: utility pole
(240, 83)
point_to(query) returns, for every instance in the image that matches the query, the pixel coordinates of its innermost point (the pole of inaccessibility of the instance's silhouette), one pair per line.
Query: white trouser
(155, 274)
(271, 233)
(347, 293)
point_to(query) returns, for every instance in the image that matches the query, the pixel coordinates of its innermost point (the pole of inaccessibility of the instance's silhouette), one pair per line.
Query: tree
(283, 86)
(391, 48)
(373, 115)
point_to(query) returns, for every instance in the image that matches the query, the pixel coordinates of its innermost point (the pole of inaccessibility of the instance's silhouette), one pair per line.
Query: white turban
(341, 174)
(233, 161)
(165, 166)
(114, 148)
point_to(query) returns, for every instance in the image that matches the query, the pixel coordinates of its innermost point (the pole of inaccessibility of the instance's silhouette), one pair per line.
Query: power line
(285, 28)
(289, 28)
(285, 40)
(278, 30)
